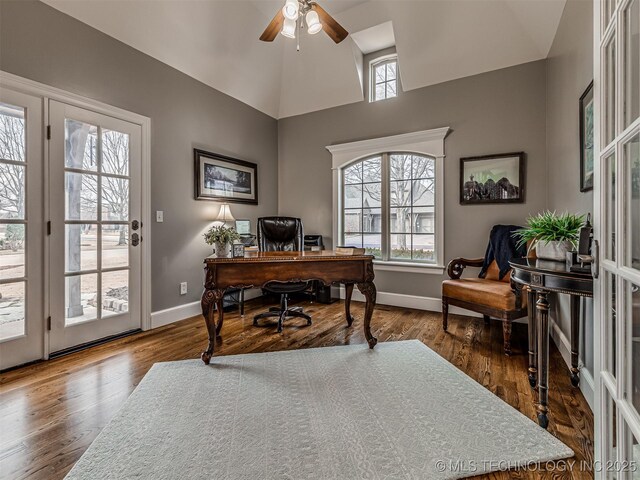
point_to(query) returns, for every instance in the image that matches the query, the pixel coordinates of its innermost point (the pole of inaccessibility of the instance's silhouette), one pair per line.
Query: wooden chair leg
(506, 334)
(487, 319)
(445, 314)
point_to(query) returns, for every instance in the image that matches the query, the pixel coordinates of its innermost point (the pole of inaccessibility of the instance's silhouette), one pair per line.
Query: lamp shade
(289, 28)
(224, 215)
(291, 9)
(313, 22)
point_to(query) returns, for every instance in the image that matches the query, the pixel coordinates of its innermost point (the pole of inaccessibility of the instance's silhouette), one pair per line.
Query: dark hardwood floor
(50, 412)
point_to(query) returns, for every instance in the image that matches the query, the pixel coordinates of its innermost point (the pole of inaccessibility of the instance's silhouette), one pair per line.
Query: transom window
(388, 206)
(384, 78)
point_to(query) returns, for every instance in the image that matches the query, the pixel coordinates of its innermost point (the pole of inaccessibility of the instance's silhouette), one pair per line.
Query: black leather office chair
(277, 234)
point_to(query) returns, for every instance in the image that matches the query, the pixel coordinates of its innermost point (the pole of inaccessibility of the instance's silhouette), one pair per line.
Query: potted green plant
(551, 234)
(221, 238)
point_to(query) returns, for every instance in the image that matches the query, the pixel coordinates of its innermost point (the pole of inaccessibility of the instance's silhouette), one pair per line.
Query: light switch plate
(183, 288)
(159, 216)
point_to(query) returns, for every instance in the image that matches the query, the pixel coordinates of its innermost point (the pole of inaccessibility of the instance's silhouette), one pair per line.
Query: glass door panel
(100, 161)
(631, 25)
(610, 207)
(632, 170)
(21, 211)
(13, 166)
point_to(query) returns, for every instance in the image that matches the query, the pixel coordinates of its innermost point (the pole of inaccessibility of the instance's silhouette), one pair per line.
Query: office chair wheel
(308, 322)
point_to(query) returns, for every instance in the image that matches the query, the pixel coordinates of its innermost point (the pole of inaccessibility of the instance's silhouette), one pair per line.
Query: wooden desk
(263, 267)
(540, 277)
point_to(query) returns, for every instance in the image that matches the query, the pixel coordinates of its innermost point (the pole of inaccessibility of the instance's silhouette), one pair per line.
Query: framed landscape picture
(492, 179)
(226, 179)
(586, 139)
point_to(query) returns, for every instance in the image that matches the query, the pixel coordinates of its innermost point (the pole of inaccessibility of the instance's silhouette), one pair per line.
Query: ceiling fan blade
(271, 32)
(329, 25)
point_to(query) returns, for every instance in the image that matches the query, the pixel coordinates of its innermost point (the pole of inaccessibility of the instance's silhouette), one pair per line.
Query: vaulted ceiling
(216, 42)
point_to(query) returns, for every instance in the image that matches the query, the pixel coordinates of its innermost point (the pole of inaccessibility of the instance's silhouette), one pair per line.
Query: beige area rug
(399, 411)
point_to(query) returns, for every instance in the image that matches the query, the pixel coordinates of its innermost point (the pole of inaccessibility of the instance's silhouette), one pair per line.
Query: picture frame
(586, 139)
(238, 250)
(492, 179)
(222, 178)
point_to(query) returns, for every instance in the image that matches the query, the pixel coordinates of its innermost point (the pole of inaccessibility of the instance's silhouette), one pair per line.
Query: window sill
(408, 267)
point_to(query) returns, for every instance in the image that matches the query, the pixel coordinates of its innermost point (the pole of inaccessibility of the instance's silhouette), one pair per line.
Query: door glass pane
(12, 310)
(115, 199)
(610, 207)
(115, 246)
(633, 302)
(12, 196)
(81, 247)
(610, 324)
(611, 435)
(12, 240)
(632, 166)
(115, 152)
(80, 145)
(12, 135)
(115, 293)
(81, 196)
(609, 89)
(632, 62)
(81, 298)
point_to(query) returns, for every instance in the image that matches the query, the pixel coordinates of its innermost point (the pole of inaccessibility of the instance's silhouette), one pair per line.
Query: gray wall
(42, 44)
(569, 71)
(496, 112)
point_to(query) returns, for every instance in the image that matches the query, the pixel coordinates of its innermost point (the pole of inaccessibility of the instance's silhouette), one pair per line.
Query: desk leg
(368, 289)
(533, 339)
(575, 339)
(542, 307)
(242, 302)
(211, 299)
(348, 292)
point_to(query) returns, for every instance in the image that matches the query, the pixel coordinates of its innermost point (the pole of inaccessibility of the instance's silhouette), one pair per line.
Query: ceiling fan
(291, 17)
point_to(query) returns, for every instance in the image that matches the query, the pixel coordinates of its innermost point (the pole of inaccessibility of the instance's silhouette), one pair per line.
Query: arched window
(388, 206)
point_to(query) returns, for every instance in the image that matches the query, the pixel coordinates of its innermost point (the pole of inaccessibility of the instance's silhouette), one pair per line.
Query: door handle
(135, 239)
(135, 225)
(595, 265)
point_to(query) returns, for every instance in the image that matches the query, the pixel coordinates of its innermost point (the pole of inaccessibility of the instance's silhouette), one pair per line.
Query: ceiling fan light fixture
(313, 22)
(291, 9)
(289, 28)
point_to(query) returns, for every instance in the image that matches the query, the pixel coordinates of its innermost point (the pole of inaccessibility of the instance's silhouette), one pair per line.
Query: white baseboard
(587, 385)
(188, 310)
(430, 304)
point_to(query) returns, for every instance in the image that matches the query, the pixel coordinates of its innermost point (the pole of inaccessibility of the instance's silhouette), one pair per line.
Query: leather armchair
(490, 296)
(277, 234)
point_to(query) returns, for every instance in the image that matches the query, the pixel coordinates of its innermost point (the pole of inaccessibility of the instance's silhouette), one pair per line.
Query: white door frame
(47, 92)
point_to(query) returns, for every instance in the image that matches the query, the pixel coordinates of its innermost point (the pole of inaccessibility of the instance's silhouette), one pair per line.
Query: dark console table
(539, 278)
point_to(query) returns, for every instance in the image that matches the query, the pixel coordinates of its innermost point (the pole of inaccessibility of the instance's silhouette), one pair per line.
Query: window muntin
(389, 207)
(384, 79)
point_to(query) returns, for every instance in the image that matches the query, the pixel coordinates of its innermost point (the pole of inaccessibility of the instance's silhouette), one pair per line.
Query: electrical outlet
(159, 216)
(183, 288)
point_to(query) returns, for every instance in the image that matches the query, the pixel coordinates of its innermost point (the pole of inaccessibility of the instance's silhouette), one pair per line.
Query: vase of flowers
(552, 235)
(221, 238)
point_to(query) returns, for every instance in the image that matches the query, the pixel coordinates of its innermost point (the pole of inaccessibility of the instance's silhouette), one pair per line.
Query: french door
(617, 216)
(22, 319)
(95, 202)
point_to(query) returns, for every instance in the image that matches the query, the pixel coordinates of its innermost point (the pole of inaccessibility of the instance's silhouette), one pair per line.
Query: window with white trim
(389, 206)
(383, 74)
(388, 198)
